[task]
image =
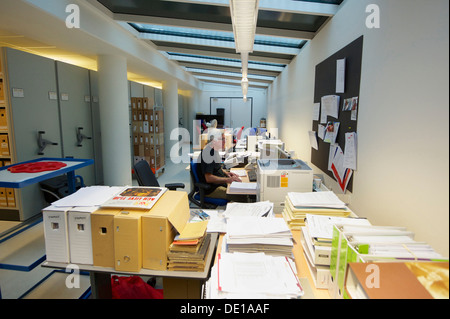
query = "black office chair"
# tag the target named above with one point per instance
(145, 176)
(198, 191)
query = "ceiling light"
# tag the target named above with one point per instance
(244, 14)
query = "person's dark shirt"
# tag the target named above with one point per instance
(210, 162)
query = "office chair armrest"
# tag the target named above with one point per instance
(174, 186)
(203, 186)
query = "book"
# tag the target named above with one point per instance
(140, 197)
(398, 280)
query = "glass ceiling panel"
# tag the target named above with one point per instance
(215, 35)
(234, 74)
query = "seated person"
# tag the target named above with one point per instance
(210, 167)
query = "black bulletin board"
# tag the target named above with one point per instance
(325, 84)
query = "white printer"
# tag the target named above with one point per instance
(277, 177)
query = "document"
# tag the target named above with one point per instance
(321, 129)
(313, 140)
(340, 76)
(330, 106)
(350, 150)
(331, 132)
(88, 196)
(316, 199)
(136, 197)
(243, 188)
(341, 174)
(243, 276)
(258, 209)
(316, 111)
(322, 226)
(193, 230)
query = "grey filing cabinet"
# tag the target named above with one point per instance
(52, 98)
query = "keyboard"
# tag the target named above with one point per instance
(251, 175)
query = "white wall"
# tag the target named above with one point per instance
(403, 159)
(259, 99)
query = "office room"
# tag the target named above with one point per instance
(401, 175)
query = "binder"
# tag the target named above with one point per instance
(102, 229)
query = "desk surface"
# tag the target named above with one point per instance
(148, 272)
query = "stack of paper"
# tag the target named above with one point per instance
(255, 234)
(316, 242)
(243, 188)
(253, 276)
(189, 249)
(358, 243)
(297, 205)
(258, 209)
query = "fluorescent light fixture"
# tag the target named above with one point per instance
(244, 15)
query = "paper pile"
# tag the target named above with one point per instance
(255, 235)
(253, 276)
(243, 188)
(297, 205)
(189, 249)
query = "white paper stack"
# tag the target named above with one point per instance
(258, 234)
(253, 276)
(243, 188)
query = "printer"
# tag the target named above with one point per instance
(277, 177)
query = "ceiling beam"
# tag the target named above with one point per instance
(204, 25)
(226, 68)
(223, 55)
(300, 7)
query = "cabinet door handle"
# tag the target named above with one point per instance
(42, 142)
(81, 137)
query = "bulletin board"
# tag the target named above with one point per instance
(325, 84)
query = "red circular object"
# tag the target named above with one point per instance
(36, 167)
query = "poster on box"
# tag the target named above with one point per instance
(136, 197)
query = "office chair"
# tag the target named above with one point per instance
(198, 190)
(58, 187)
(145, 176)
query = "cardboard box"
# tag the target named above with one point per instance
(133, 104)
(3, 122)
(4, 144)
(145, 103)
(102, 231)
(80, 235)
(182, 288)
(10, 197)
(56, 234)
(128, 240)
(159, 227)
(139, 103)
(2, 92)
(3, 200)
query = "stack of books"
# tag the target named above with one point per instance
(297, 205)
(189, 249)
(259, 235)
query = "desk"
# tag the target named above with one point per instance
(101, 276)
(19, 180)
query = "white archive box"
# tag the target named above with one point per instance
(80, 236)
(56, 234)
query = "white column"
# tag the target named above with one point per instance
(170, 102)
(114, 119)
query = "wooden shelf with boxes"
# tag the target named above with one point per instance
(7, 195)
(148, 133)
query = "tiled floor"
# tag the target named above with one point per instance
(28, 246)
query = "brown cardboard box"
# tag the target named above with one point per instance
(146, 115)
(133, 103)
(128, 240)
(2, 92)
(145, 103)
(3, 201)
(4, 144)
(159, 227)
(147, 139)
(11, 197)
(102, 229)
(135, 139)
(3, 122)
(139, 103)
(134, 115)
(162, 159)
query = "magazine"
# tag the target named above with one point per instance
(136, 197)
